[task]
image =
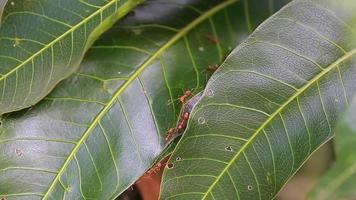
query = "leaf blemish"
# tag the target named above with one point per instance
(210, 93)
(178, 158)
(18, 152)
(201, 120)
(249, 188)
(201, 49)
(74, 80)
(228, 148)
(170, 165)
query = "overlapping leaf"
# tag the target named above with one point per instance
(99, 130)
(339, 183)
(42, 42)
(2, 5)
(270, 105)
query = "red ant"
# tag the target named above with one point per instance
(154, 170)
(212, 38)
(169, 134)
(180, 127)
(183, 122)
(185, 95)
(212, 68)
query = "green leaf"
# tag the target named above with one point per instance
(271, 104)
(339, 181)
(42, 42)
(103, 127)
(2, 5)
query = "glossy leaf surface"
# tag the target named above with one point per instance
(272, 103)
(43, 42)
(339, 183)
(102, 128)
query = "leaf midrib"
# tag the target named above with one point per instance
(155, 55)
(279, 110)
(69, 31)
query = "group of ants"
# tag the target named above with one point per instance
(182, 122)
(181, 125)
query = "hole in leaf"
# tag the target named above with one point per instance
(228, 148)
(249, 187)
(170, 165)
(178, 158)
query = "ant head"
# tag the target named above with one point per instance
(188, 92)
(166, 138)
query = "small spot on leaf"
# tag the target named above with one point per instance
(210, 93)
(18, 152)
(201, 120)
(249, 188)
(178, 158)
(74, 80)
(228, 148)
(170, 165)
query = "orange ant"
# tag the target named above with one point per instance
(212, 38)
(182, 98)
(154, 170)
(169, 134)
(179, 129)
(183, 122)
(185, 95)
(212, 68)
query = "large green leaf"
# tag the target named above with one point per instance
(103, 127)
(43, 42)
(340, 181)
(2, 5)
(270, 105)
